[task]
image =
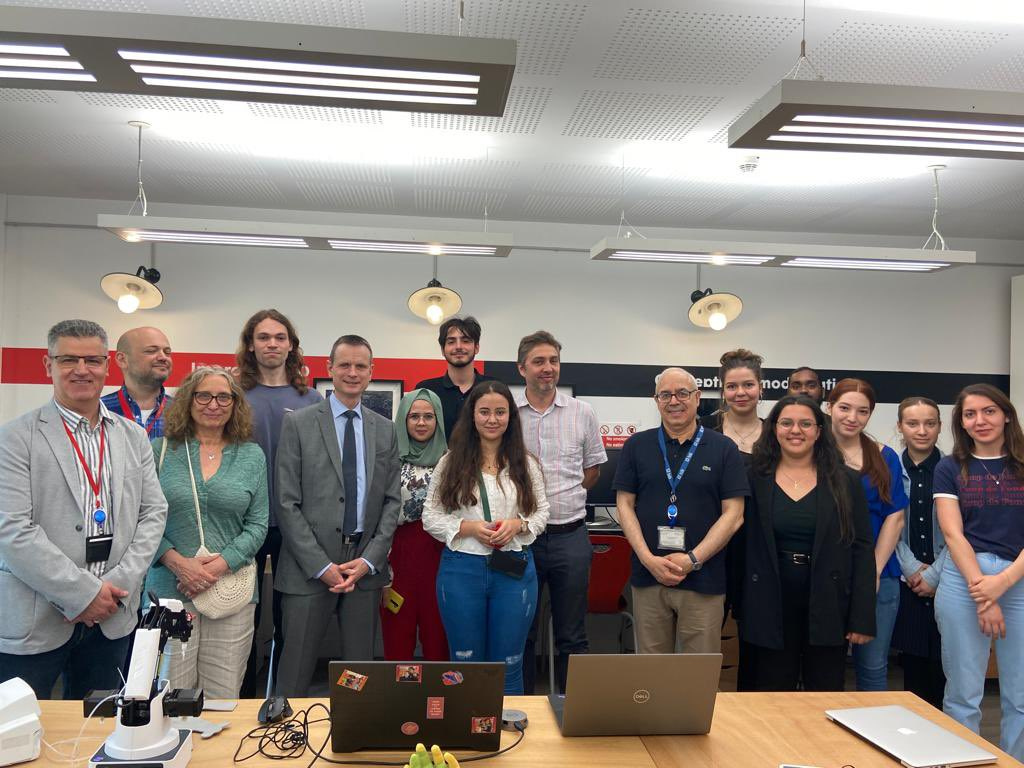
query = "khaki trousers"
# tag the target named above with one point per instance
(215, 655)
(667, 617)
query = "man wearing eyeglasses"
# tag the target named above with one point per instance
(680, 491)
(81, 516)
(144, 357)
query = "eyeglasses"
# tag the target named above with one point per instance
(805, 425)
(420, 417)
(71, 361)
(224, 399)
(682, 395)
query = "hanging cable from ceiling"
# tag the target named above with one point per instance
(935, 239)
(803, 60)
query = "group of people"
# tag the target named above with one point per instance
(443, 526)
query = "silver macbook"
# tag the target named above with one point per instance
(638, 695)
(913, 740)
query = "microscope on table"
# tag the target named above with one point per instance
(144, 734)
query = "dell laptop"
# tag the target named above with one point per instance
(913, 740)
(638, 695)
(388, 705)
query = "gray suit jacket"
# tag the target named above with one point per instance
(311, 497)
(43, 576)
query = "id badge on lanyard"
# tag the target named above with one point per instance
(671, 536)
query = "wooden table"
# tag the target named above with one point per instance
(759, 730)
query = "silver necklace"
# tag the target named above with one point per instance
(741, 437)
(992, 477)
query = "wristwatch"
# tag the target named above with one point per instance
(697, 564)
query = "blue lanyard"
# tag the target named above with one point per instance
(673, 482)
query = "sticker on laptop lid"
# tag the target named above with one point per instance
(408, 673)
(435, 707)
(410, 728)
(484, 725)
(352, 680)
(451, 677)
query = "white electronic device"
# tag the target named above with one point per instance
(145, 734)
(21, 733)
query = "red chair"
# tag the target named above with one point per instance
(609, 574)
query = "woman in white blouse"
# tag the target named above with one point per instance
(486, 502)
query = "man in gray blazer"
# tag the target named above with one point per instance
(81, 515)
(339, 496)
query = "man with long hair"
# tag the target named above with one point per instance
(273, 375)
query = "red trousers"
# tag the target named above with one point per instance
(415, 557)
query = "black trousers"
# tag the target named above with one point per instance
(798, 665)
(924, 677)
(562, 561)
(254, 684)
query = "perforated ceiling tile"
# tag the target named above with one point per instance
(347, 197)
(26, 96)
(884, 220)
(195, 157)
(562, 208)
(669, 211)
(898, 54)
(130, 6)
(722, 134)
(330, 13)
(1006, 75)
(778, 216)
(309, 170)
(637, 116)
(459, 202)
(164, 103)
(677, 46)
(545, 31)
(523, 112)
(308, 112)
(567, 179)
(464, 173)
(233, 189)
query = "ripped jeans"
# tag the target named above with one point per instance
(486, 614)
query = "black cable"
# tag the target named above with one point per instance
(290, 739)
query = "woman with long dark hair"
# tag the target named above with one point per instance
(979, 501)
(486, 502)
(851, 403)
(808, 576)
(921, 552)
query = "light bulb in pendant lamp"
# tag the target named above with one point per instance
(132, 292)
(714, 310)
(435, 302)
(128, 302)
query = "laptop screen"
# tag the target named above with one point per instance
(388, 705)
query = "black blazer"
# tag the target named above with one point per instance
(842, 575)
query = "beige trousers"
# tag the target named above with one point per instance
(666, 617)
(215, 655)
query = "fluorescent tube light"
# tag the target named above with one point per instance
(854, 117)
(22, 74)
(135, 229)
(264, 62)
(292, 66)
(40, 63)
(146, 69)
(778, 254)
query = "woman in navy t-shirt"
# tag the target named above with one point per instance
(979, 501)
(851, 403)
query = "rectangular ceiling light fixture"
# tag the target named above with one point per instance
(159, 229)
(778, 254)
(884, 119)
(254, 61)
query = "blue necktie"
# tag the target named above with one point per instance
(349, 476)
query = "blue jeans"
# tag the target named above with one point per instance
(487, 614)
(965, 653)
(88, 661)
(871, 660)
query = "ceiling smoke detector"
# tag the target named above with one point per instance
(749, 164)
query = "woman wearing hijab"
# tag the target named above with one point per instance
(411, 602)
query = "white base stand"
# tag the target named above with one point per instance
(176, 757)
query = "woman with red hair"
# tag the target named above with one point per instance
(851, 403)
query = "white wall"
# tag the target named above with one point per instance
(953, 321)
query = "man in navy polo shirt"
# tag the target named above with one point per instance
(680, 491)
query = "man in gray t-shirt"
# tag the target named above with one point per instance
(272, 373)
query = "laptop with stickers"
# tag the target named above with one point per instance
(388, 705)
(913, 740)
(638, 695)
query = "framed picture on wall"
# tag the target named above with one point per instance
(380, 397)
(519, 389)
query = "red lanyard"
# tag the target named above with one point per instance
(93, 483)
(127, 411)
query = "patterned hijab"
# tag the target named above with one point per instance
(421, 454)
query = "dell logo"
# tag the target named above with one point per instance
(642, 696)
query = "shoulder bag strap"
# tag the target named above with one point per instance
(483, 496)
(195, 495)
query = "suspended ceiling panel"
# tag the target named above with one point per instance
(651, 86)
